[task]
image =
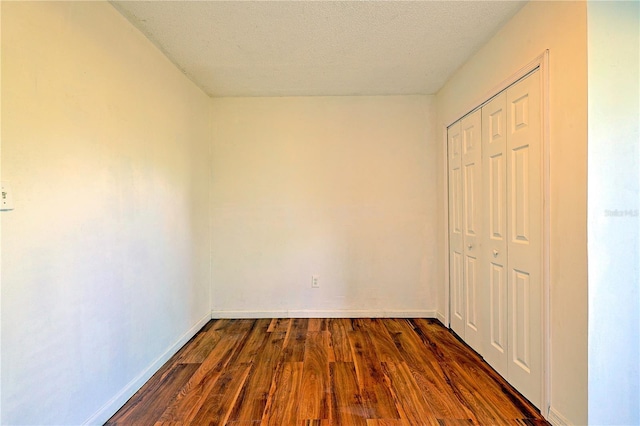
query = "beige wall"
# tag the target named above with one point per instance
(342, 187)
(105, 257)
(561, 28)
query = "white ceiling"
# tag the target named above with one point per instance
(291, 48)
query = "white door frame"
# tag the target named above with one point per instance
(540, 63)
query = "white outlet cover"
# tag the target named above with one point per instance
(6, 201)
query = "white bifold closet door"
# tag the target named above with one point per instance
(496, 251)
(456, 284)
(465, 177)
(494, 270)
(524, 237)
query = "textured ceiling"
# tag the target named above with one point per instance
(289, 48)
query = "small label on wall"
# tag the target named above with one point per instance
(6, 201)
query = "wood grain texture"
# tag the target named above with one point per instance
(260, 354)
(191, 397)
(217, 406)
(339, 327)
(325, 372)
(376, 396)
(199, 347)
(314, 393)
(151, 402)
(413, 407)
(293, 350)
(282, 404)
(347, 405)
(253, 398)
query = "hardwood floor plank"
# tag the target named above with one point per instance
(252, 345)
(192, 395)
(152, 384)
(293, 350)
(471, 377)
(201, 345)
(155, 398)
(432, 381)
(388, 422)
(253, 398)
(322, 372)
(282, 403)
(231, 326)
(347, 406)
(512, 404)
(444, 345)
(407, 340)
(473, 398)
(375, 394)
(279, 325)
(530, 422)
(314, 392)
(483, 410)
(386, 349)
(218, 404)
(494, 391)
(315, 422)
(317, 324)
(409, 399)
(360, 324)
(339, 327)
(456, 422)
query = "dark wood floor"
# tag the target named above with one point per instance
(375, 372)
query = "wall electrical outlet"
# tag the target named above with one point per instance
(6, 201)
(315, 281)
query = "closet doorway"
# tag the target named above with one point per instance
(496, 168)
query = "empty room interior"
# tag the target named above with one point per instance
(388, 167)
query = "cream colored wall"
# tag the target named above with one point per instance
(105, 257)
(342, 187)
(561, 28)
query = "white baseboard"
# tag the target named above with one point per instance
(114, 404)
(557, 419)
(440, 317)
(324, 314)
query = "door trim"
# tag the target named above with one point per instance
(540, 63)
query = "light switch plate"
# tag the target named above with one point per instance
(6, 201)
